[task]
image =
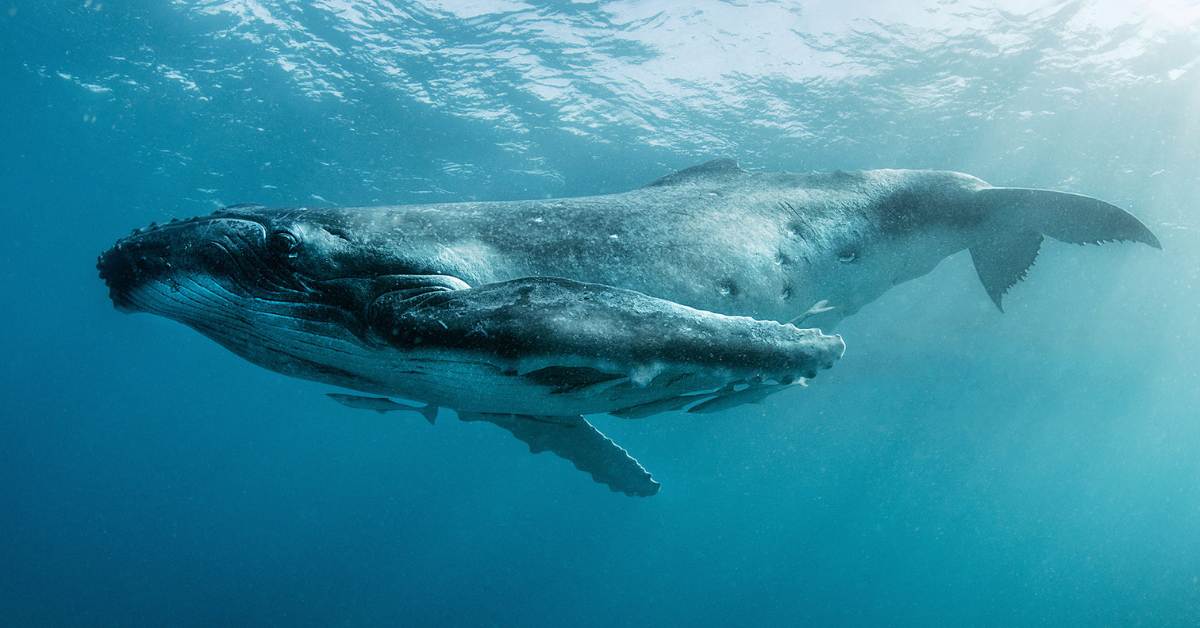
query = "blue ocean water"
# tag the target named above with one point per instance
(959, 466)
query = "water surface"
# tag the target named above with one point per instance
(959, 466)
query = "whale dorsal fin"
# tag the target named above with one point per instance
(706, 170)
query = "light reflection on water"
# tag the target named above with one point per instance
(958, 466)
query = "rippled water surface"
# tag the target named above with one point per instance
(959, 467)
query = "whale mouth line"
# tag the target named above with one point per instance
(269, 336)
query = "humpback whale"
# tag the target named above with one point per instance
(700, 291)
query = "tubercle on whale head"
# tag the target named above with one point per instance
(270, 285)
(270, 253)
(273, 286)
(162, 253)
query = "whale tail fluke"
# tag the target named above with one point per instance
(1005, 259)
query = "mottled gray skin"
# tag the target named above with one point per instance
(763, 245)
(714, 238)
(574, 348)
(718, 238)
(458, 306)
(527, 314)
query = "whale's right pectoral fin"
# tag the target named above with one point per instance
(580, 443)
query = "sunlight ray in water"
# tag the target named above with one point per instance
(957, 466)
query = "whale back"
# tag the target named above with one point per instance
(713, 169)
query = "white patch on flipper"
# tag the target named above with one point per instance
(643, 374)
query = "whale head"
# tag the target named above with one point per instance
(294, 291)
(272, 288)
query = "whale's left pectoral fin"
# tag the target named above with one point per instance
(580, 443)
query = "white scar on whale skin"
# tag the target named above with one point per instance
(676, 296)
(820, 307)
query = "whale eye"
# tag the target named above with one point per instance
(283, 243)
(847, 256)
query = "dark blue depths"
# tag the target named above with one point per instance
(959, 466)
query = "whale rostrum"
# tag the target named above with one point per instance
(701, 291)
